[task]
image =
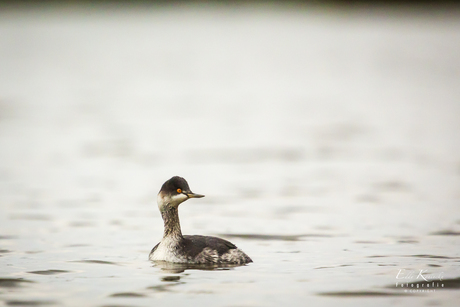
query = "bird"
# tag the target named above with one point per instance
(196, 249)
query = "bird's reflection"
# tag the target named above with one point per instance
(170, 267)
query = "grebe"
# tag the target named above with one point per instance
(174, 247)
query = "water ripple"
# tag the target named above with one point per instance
(13, 282)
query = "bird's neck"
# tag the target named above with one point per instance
(172, 229)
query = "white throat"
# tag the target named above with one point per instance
(175, 200)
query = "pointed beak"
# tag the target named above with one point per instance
(193, 195)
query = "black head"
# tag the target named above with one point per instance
(175, 185)
(175, 191)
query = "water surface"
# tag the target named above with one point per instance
(326, 142)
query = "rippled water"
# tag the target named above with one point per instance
(326, 142)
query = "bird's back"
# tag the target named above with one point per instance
(195, 244)
(206, 249)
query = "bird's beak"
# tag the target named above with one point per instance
(193, 195)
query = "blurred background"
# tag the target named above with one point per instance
(296, 119)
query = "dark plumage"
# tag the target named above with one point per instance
(192, 246)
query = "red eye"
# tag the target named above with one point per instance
(179, 191)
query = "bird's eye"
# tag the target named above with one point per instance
(179, 191)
